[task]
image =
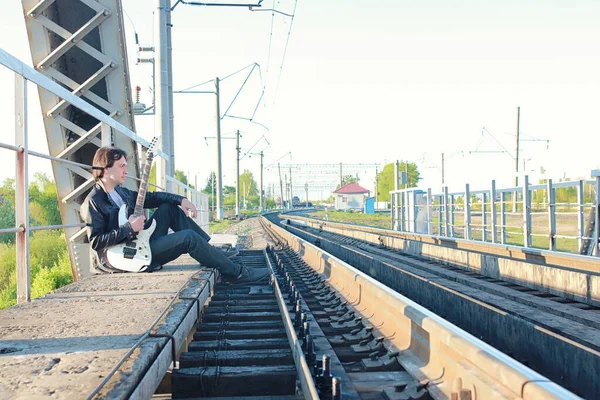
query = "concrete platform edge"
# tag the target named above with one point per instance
(139, 379)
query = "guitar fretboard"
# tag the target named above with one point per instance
(139, 204)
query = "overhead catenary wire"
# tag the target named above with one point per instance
(287, 41)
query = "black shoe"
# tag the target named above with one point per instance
(229, 251)
(251, 276)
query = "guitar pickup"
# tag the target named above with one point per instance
(129, 252)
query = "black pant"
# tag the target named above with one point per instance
(188, 237)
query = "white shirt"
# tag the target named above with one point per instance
(116, 198)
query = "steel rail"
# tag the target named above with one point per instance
(430, 347)
(309, 390)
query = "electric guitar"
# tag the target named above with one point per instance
(134, 255)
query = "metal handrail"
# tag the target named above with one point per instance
(26, 73)
(494, 208)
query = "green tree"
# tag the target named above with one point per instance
(43, 201)
(385, 179)
(208, 186)
(181, 176)
(228, 190)
(7, 220)
(7, 190)
(346, 179)
(247, 182)
(50, 266)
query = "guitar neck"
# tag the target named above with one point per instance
(139, 204)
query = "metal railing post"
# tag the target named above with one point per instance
(22, 192)
(503, 217)
(467, 216)
(452, 210)
(415, 210)
(429, 214)
(493, 211)
(402, 204)
(580, 214)
(393, 204)
(440, 215)
(597, 224)
(526, 212)
(484, 217)
(551, 216)
(446, 212)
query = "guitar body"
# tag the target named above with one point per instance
(131, 256)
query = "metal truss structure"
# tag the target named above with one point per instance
(80, 44)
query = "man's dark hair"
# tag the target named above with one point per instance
(105, 157)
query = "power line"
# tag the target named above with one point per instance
(285, 52)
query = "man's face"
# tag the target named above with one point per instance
(117, 173)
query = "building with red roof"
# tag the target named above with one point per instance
(350, 197)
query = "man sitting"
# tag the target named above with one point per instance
(101, 212)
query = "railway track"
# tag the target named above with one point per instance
(555, 336)
(291, 337)
(320, 328)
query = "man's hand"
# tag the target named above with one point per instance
(137, 223)
(189, 208)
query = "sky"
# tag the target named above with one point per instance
(371, 83)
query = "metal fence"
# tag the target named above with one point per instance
(109, 127)
(527, 215)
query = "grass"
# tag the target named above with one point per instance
(220, 226)
(372, 220)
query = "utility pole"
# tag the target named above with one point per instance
(280, 184)
(442, 169)
(517, 160)
(237, 184)
(162, 105)
(219, 214)
(287, 188)
(306, 190)
(291, 193)
(517, 152)
(212, 179)
(261, 181)
(341, 176)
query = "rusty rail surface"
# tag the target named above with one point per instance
(452, 363)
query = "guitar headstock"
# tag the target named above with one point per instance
(150, 151)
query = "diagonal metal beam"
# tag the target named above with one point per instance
(89, 137)
(65, 34)
(79, 236)
(73, 39)
(39, 8)
(78, 191)
(85, 174)
(84, 87)
(71, 84)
